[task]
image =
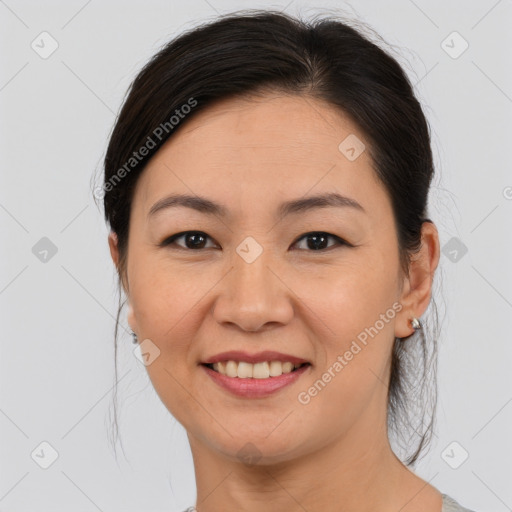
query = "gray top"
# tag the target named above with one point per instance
(449, 505)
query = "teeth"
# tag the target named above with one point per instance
(262, 370)
(231, 369)
(244, 370)
(276, 368)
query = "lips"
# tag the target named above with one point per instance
(255, 387)
(259, 357)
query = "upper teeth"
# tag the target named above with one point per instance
(256, 371)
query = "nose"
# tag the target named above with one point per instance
(253, 296)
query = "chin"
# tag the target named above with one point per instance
(263, 447)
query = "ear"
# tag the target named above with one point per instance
(114, 252)
(417, 288)
(130, 318)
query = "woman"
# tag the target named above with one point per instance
(266, 185)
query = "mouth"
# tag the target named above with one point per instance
(261, 370)
(254, 376)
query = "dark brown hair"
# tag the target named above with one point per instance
(253, 51)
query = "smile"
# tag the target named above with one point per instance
(254, 380)
(263, 370)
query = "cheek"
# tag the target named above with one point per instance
(349, 300)
(354, 334)
(167, 304)
(162, 292)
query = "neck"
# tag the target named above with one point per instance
(339, 477)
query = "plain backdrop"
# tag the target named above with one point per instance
(57, 281)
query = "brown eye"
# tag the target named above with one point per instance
(193, 240)
(317, 241)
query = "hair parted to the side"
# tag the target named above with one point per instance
(253, 52)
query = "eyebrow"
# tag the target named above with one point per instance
(208, 207)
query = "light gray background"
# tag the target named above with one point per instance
(57, 368)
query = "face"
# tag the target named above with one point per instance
(317, 282)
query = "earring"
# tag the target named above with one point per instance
(134, 338)
(415, 323)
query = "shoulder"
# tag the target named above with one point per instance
(450, 505)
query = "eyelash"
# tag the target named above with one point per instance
(171, 240)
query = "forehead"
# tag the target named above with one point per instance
(261, 150)
(289, 127)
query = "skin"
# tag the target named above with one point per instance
(250, 154)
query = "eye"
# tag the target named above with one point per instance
(193, 240)
(196, 240)
(318, 240)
